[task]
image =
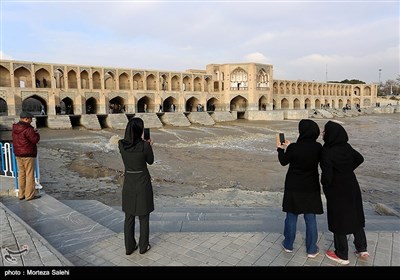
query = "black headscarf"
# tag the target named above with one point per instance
(308, 129)
(334, 134)
(133, 133)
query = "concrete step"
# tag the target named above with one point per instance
(214, 219)
(72, 224)
(64, 228)
(116, 121)
(106, 216)
(181, 219)
(59, 122)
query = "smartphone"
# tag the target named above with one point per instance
(280, 138)
(146, 135)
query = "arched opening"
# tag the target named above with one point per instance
(186, 84)
(42, 78)
(317, 104)
(239, 103)
(123, 81)
(193, 104)
(116, 105)
(96, 80)
(91, 106)
(341, 103)
(284, 103)
(169, 104)
(164, 82)
(3, 107)
(5, 80)
(207, 85)
(144, 105)
(35, 105)
(296, 104)
(197, 84)
(137, 81)
(238, 79)
(175, 83)
(84, 79)
(59, 78)
(67, 106)
(262, 103)
(22, 78)
(212, 103)
(307, 104)
(262, 79)
(109, 81)
(357, 91)
(72, 79)
(151, 82)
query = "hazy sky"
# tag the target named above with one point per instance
(303, 40)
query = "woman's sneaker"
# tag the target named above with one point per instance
(312, 256)
(364, 254)
(331, 255)
(286, 250)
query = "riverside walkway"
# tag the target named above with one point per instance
(89, 233)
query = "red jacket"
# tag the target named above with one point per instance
(24, 139)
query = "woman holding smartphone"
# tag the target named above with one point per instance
(137, 191)
(302, 194)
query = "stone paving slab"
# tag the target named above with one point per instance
(223, 249)
(16, 235)
(194, 247)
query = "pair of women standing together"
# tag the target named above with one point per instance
(302, 195)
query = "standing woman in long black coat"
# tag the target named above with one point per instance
(302, 193)
(342, 191)
(137, 191)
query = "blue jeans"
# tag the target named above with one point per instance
(311, 232)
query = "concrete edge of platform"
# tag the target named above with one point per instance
(35, 234)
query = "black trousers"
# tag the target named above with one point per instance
(342, 248)
(129, 232)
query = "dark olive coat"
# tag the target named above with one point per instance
(302, 193)
(137, 191)
(342, 191)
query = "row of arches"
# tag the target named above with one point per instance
(124, 81)
(82, 78)
(300, 88)
(38, 106)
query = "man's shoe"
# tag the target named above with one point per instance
(35, 197)
(331, 255)
(364, 254)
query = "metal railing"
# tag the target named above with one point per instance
(9, 166)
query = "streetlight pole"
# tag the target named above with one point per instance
(379, 83)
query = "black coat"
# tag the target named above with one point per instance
(302, 193)
(137, 191)
(343, 195)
